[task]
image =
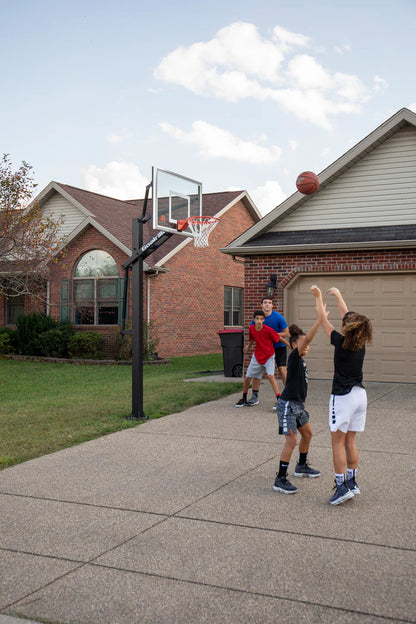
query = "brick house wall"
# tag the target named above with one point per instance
(186, 303)
(188, 300)
(64, 268)
(30, 305)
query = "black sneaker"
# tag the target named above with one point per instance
(283, 485)
(241, 403)
(303, 470)
(353, 486)
(342, 493)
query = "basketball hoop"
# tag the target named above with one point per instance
(201, 228)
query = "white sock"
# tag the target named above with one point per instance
(339, 478)
(351, 472)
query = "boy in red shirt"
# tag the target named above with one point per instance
(262, 359)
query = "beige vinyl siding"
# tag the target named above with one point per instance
(387, 299)
(378, 190)
(58, 206)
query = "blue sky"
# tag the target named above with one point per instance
(237, 94)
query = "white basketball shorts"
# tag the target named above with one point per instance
(347, 412)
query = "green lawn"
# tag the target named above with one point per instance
(45, 407)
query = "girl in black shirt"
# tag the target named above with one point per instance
(291, 411)
(348, 402)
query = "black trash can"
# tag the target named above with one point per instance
(232, 342)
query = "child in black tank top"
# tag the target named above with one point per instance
(291, 411)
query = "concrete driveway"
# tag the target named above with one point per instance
(175, 521)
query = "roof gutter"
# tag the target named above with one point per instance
(235, 259)
(317, 248)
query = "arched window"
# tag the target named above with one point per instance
(95, 289)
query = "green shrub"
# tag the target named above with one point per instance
(7, 341)
(150, 343)
(29, 328)
(124, 346)
(54, 342)
(86, 345)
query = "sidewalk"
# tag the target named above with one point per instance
(175, 522)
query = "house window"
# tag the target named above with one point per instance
(14, 307)
(233, 306)
(95, 288)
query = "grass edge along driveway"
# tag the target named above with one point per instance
(45, 407)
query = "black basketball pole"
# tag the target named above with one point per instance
(137, 325)
(135, 264)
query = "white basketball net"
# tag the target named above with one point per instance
(201, 228)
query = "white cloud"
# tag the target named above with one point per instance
(214, 142)
(341, 49)
(235, 53)
(268, 196)
(240, 64)
(293, 145)
(311, 106)
(115, 137)
(380, 83)
(306, 73)
(287, 40)
(116, 179)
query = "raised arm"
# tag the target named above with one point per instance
(305, 340)
(322, 311)
(342, 306)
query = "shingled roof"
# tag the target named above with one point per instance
(114, 216)
(267, 236)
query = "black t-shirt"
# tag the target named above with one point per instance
(296, 387)
(348, 366)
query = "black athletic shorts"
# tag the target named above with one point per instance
(281, 356)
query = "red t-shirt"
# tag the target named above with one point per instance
(264, 340)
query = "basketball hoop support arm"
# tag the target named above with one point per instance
(134, 264)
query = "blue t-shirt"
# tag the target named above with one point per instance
(277, 322)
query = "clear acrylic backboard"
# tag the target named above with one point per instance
(175, 198)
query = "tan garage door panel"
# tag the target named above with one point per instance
(387, 299)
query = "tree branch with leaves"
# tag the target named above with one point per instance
(29, 240)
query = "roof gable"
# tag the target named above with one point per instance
(373, 184)
(114, 217)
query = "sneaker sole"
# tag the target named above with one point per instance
(341, 499)
(304, 474)
(243, 405)
(252, 404)
(277, 489)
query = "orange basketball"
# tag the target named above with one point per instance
(307, 183)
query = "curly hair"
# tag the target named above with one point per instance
(295, 332)
(357, 330)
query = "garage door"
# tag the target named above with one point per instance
(389, 300)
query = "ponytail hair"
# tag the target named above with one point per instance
(295, 333)
(357, 330)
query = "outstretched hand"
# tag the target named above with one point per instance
(334, 291)
(316, 291)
